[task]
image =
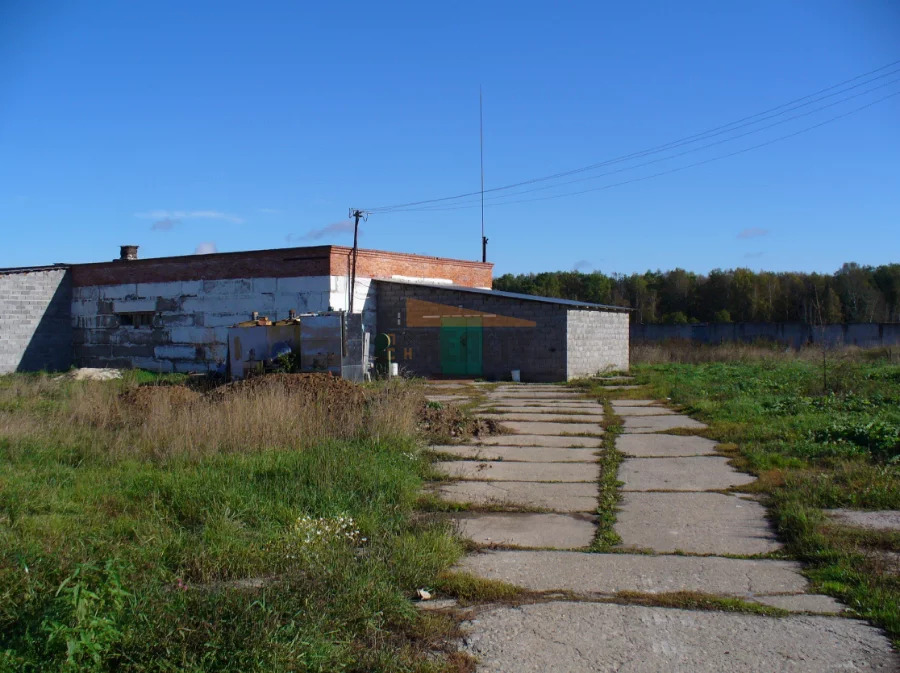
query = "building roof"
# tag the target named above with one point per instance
(573, 303)
(29, 269)
(323, 260)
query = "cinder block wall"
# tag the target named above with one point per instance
(191, 318)
(596, 341)
(35, 320)
(538, 352)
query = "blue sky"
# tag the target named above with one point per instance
(226, 126)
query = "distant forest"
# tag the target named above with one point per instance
(854, 293)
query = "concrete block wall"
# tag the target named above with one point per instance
(539, 352)
(596, 341)
(191, 319)
(795, 334)
(35, 320)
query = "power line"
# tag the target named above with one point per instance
(725, 128)
(680, 168)
(496, 198)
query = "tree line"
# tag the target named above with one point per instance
(854, 293)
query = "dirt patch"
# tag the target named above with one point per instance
(325, 388)
(448, 420)
(144, 398)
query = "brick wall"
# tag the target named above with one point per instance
(596, 341)
(539, 351)
(35, 320)
(379, 264)
(282, 263)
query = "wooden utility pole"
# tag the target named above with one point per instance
(484, 240)
(356, 215)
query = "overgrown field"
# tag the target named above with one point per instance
(259, 527)
(819, 438)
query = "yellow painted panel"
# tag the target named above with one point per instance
(421, 313)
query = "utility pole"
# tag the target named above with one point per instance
(356, 215)
(484, 240)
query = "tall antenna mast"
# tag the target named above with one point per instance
(484, 240)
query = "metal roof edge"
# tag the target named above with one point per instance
(507, 295)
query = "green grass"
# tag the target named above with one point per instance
(816, 443)
(695, 600)
(472, 589)
(608, 499)
(267, 559)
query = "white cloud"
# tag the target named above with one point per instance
(206, 248)
(753, 232)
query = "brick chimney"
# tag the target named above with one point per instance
(128, 253)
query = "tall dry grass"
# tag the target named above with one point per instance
(189, 425)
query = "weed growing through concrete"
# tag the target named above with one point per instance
(609, 496)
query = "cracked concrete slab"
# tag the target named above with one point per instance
(539, 440)
(526, 387)
(887, 519)
(591, 410)
(702, 473)
(582, 637)
(611, 573)
(803, 603)
(555, 429)
(577, 497)
(660, 423)
(537, 396)
(527, 454)
(700, 523)
(636, 403)
(447, 399)
(514, 471)
(544, 417)
(571, 398)
(641, 411)
(651, 445)
(513, 529)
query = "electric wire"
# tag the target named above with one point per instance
(744, 122)
(495, 199)
(671, 170)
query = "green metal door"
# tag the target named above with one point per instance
(473, 346)
(461, 346)
(453, 336)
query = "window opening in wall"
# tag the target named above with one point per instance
(136, 319)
